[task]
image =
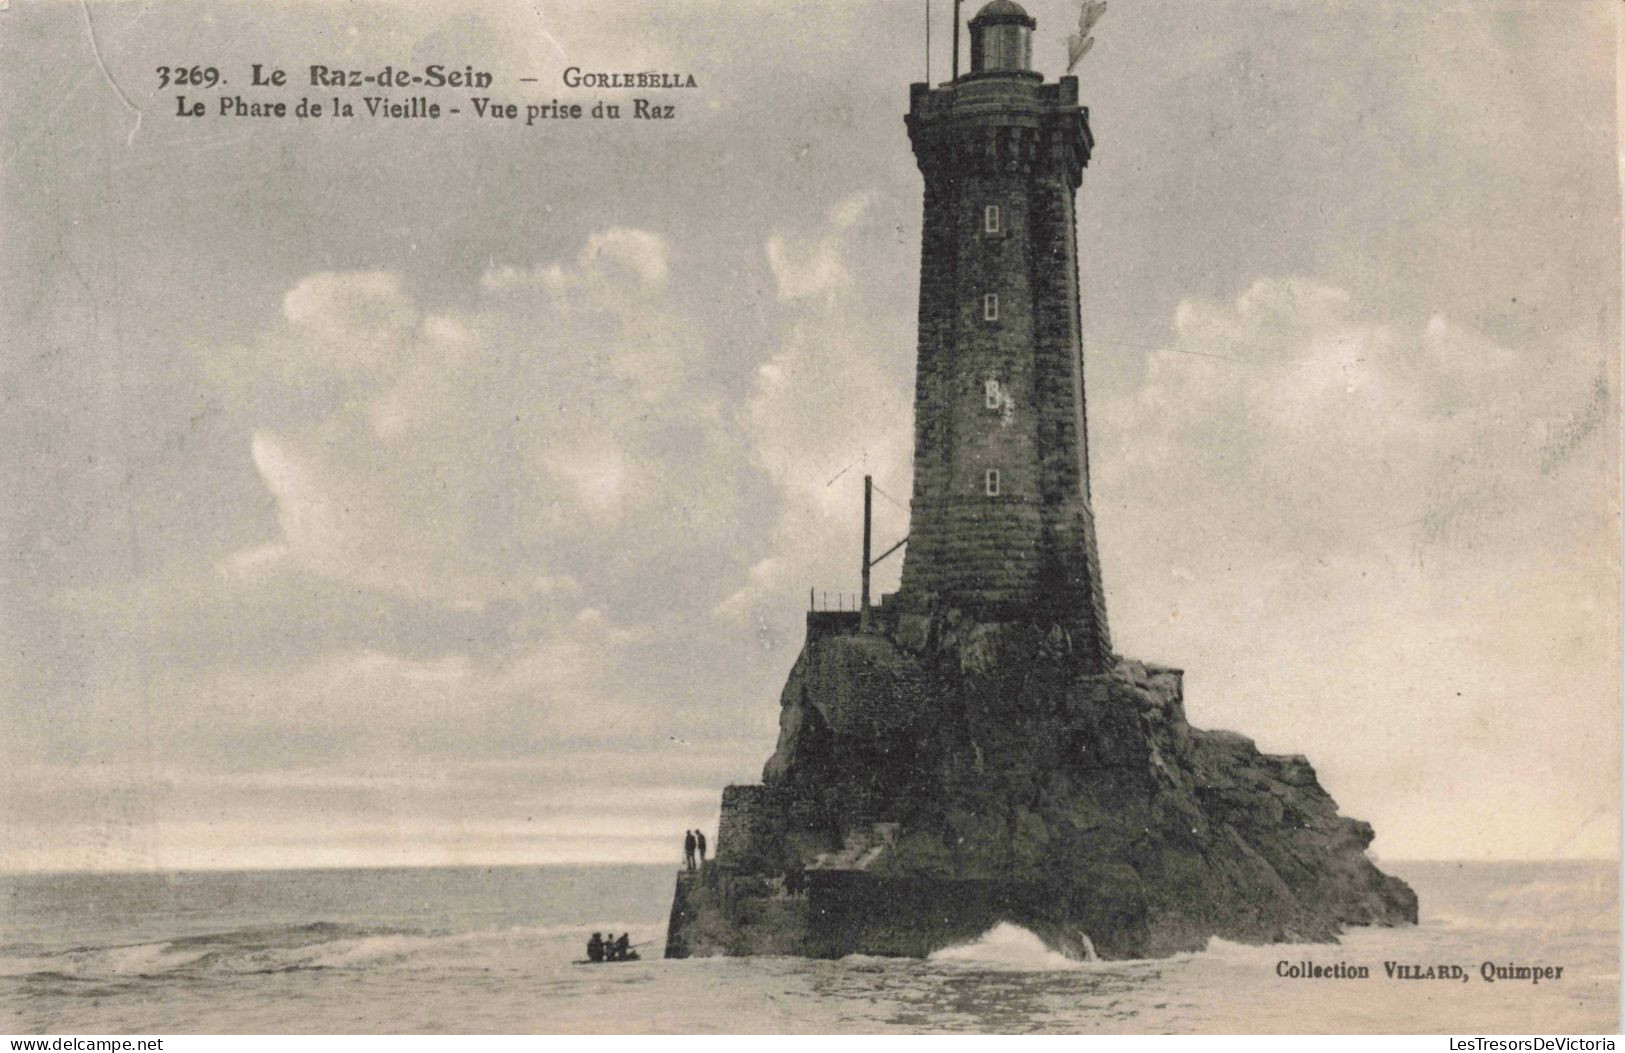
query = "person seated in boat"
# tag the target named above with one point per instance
(595, 948)
(623, 947)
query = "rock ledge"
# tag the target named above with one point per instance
(940, 775)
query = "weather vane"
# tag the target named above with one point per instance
(1079, 43)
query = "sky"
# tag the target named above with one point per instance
(404, 492)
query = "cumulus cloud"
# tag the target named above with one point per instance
(815, 266)
(254, 562)
(564, 420)
(608, 254)
(355, 321)
(832, 403)
(1383, 536)
(1319, 427)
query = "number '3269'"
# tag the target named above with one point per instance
(188, 76)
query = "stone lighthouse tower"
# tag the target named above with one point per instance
(1002, 525)
(973, 752)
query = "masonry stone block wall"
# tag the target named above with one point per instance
(1001, 390)
(752, 823)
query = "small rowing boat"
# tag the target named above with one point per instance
(631, 956)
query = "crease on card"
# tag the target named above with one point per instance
(95, 49)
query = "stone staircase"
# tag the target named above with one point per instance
(862, 847)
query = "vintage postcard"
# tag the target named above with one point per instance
(906, 516)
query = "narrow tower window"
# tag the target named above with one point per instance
(990, 219)
(993, 482)
(990, 390)
(990, 307)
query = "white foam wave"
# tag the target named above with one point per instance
(1007, 947)
(144, 959)
(344, 953)
(1218, 947)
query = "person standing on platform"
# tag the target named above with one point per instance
(688, 849)
(699, 842)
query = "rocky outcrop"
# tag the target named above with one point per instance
(939, 775)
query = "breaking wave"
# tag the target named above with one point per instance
(1010, 948)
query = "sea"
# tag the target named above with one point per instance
(494, 950)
